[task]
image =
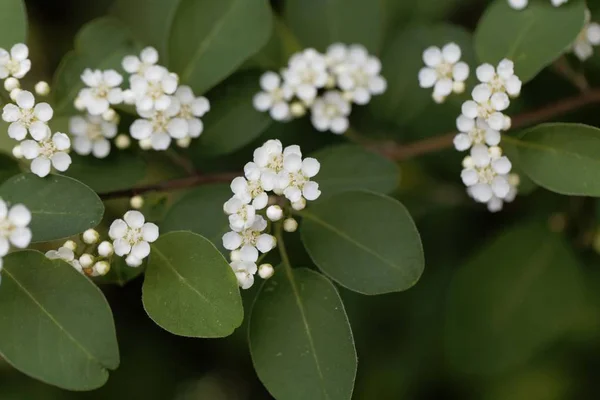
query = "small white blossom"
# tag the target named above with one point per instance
(522, 4)
(244, 266)
(191, 109)
(15, 64)
(11, 84)
(102, 90)
(485, 173)
(290, 225)
(274, 213)
(42, 88)
(252, 236)
(487, 105)
(275, 97)
(91, 134)
(295, 181)
(500, 79)
(48, 153)
(67, 255)
(306, 74)
(241, 215)
(444, 72)
(153, 90)
(266, 271)
(495, 204)
(14, 230)
(330, 113)
(159, 127)
(250, 191)
(138, 65)
(105, 249)
(268, 162)
(587, 38)
(26, 116)
(474, 132)
(132, 236)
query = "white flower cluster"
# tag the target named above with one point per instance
(522, 4)
(14, 222)
(325, 84)
(486, 172)
(443, 71)
(274, 169)
(132, 236)
(168, 111)
(583, 48)
(93, 261)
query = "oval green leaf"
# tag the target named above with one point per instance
(232, 122)
(512, 300)
(190, 289)
(56, 324)
(13, 23)
(533, 38)
(365, 241)
(300, 340)
(120, 170)
(349, 167)
(211, 39)
(60, 206)
(552, 155)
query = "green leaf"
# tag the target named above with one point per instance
(300, 339)
(320, 23)
(199, 211)
(364, 241)
(402, 59)
(56, 324)
(519, 294)
(533, 38)
(561, 157)
(211, 39)
(120, 170)
(9, 167)
(350, 167)
(232, 122)
(190, 289)
(100, 44)
(60, 206)
(13, 23)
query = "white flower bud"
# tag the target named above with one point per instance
(123, 141)
(86, 260)
(184, 143)
(235, 255)
(495, 152)
(458, 87)
(11, 84)
(274, 213)
(290, 225)
(17, 152)
(14, 93)
(297, 109)
(79, 104)
(145, 144)
(90, 236)
(105, 249)
(42, 88)
(266, 271)
(71, 245)
(468, 162)
(102, 267)
(136, 202)
(299, 205)
(109, 115)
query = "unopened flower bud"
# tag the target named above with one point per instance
(17, 152)
(71, 245)
(136, 202)
(102, 267)
(42, 88)
(266, 271)
(90, 236)
(11, 84)
(86, 260)
(123, 141)
(290, 225)
(105, 249)
(274, 213)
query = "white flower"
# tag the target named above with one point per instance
(191, 109)
(306, 73)
(485, 173)
(241, 215)
(330, 112)
(588, 37)
(500, 79)
(295, 181)
(91, 134)
(487, 105)
(15, 64)
(160, 127)
(102, 91)
(252, 237)
(268, 162)
(26, 116)
(245, 267)
(357, 73)
(522, 4)
(275, 97)
(250, 191)
(67, 255)
(134, 65)
(474, 132)
(14, 222)
(495, 204)
(444, 71)
(153, 90)
(50, 152)
(131, 237)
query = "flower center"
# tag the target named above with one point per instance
(331, 111)
(27, 117)
(477, 135)
(444, 70)
(155, 90)
(94, 131)
(101, 90)
(160, 121)
(133, 236)
(47, 148)
(249, 237)
(275, 162)
(486, 174)
(186, 112)
(6, 228)
(298, 179)
(497, 84)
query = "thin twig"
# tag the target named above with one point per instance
(563, 68)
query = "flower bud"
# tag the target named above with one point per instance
(11, 84)
(123, 141)
(145, 144)
(14, 93)
(42, 88)
(266, 271)
(299, 205)
(290, 225)
(17, 152)
(274, 213)
(91, 236)
(71, 245)
(184, 143)
(105, 249)
(86, 260)
(136, 202)
(102, 267)
(109, 115)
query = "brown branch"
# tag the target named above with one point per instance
(399, 152)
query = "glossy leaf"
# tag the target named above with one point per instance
(13, 23)
(364, 241)
(519, 294)
(564, 158)
(350, 167)
(56, 324)
(319, 23)
(60, 206)
(119, 170)
(530, 37)
(211, 39)
(190, 289)
(300, 339)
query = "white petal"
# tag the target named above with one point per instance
(260, 201)
(160, 141)
(481, 93)
(39, 131)
(482, 192)
(480, 155)
(149, 55)
(502, 165)
(61, 161)
(311, 191)
(469, 109)
(451, 53)
(4, 246)
(20, 237)
(249, 253)
(141, 250)
(443, 87)
(427, 77)
(121, 247)
(460, 72)
(61, 141)
(462, 142)
(118, 229)
(41, 166)
(262, 101)
(25, 99)
(500, 187)
(500, 101)
(82, 145)
(19, 215)
(19, 52)
(232, 240)
(131, 64)
(432, 56)
(43, 112)
(265, 243)
(133, 262)
(134, 219)
(310, 167)
(485, 72)
(30, 149)
(464, 123)
(292, 163)
(112, 78)
(11, 113)
(177, 128)
(269, 81)
(150, 232)
(17, 131)
(141, 129)
(101, 148)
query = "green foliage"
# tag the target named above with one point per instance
(210, 40)
(319, 24)
(99, 174)
(532, 38)
(56, 324)
(365, 241)
(189, 288)
(300, 340)
(13, 23)
(54, 213)
(511, 301)
(8, 167)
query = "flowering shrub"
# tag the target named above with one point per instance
(186, 147)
